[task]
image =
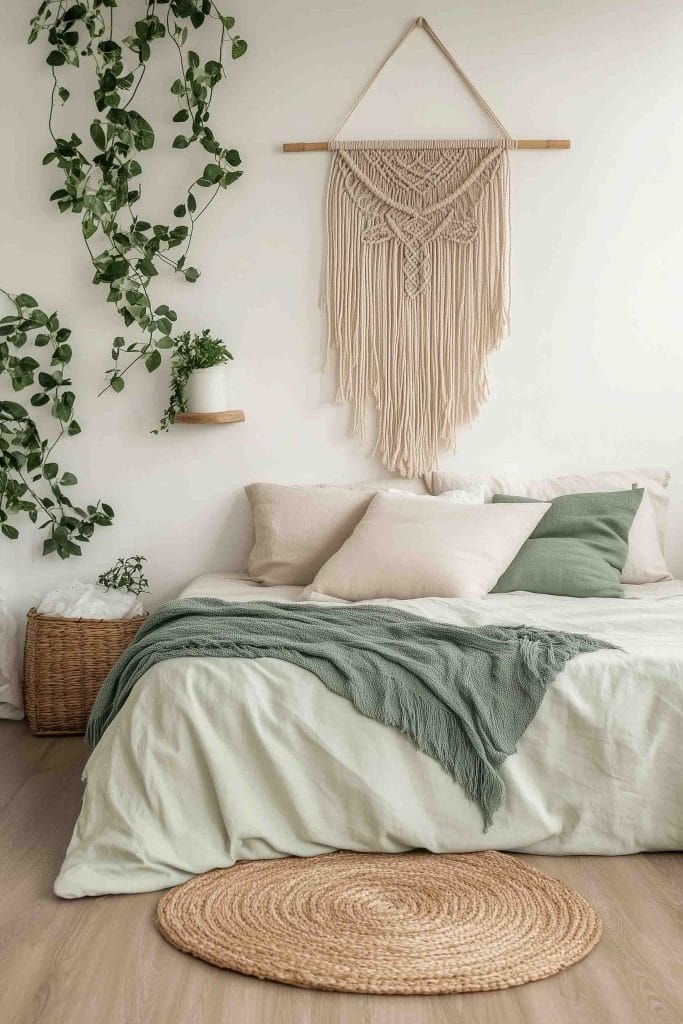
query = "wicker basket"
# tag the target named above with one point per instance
(65, 663)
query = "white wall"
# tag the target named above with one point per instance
(593, 371)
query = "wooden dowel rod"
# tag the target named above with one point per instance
(543, 144)
(313, 147)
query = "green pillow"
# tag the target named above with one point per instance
(579, 547)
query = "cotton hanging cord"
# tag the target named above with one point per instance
(467, 82)
(374, 78)
(416, 284)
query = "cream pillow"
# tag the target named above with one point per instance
(408, 547)
(645, 562)
(296, 529)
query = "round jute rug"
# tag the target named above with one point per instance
(384, 923)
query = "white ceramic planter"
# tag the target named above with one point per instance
(207, 390)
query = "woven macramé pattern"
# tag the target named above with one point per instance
(383, 923)
(416, 287)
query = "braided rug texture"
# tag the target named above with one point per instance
(383, 923)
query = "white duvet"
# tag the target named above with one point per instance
(213, 760)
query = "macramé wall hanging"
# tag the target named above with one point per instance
(416, 287)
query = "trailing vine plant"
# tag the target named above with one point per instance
(102, 183)
(31, 480)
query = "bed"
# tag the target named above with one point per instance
(213, 761)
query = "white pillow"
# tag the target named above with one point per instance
(296, 529)
(467, 496)
(645, 561)
(471, 495)
(409, 547)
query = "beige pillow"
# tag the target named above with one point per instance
(296, 529)
(408, 547)
(645, 561)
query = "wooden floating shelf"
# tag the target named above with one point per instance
(228, 416)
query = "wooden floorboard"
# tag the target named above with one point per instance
(101, 961)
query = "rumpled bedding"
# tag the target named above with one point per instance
(212, 761)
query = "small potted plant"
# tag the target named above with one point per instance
(197, 375)
(126, 574)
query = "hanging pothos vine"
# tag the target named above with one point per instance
(101, 184)
(31, 481)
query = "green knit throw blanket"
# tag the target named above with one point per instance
(464, 696)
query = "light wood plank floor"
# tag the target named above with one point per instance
(101, 961)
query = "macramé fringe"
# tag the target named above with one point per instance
(416, 289)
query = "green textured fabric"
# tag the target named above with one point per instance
(464, 696)
(579, 547)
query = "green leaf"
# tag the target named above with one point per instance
(63, 93)
(88, 227)
(114, 270)
(50, 470)
(144, 133)
(63, 353)
(228, 22)
(191, 202)
(210, 145)
(146, 267)
(73, 428)
(239, 48)
(153, 360)
(10, 531)
(164, 342)
(181, 115)
(118, 384)
(97, 135)
(49, 546)
(179, 211)
(55, 59)
(62, 411)
(212, 173)
(68, 479)
(13, 410)
(25, 300)
(191, 274)
(180, 142)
